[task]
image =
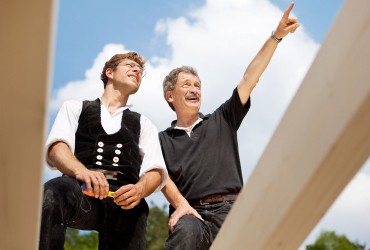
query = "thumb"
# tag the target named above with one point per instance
(293, 27)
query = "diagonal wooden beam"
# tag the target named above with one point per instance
(26, 45)
(319, 145)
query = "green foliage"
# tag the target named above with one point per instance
(157, 229)
(157, 232)
(77, 241)
(329, 240)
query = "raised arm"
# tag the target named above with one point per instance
(258, 65)
(181, 205)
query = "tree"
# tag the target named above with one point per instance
(75, 240)
(329, 240)
(157, 229)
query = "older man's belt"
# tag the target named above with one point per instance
(216, 198)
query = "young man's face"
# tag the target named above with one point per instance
(128, 75)
(186, 96)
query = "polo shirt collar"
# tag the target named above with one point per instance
(203, 117)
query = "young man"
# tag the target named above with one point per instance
(107, 148)
(201, 152)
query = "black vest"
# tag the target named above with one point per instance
(116, 152)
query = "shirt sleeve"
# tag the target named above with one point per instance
(151, 150)
(233, 110)
(64, 127)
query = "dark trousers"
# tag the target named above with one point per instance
(64, 205)
(192, 233)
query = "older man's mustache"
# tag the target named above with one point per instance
(192, 96)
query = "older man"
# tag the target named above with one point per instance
(201, 151)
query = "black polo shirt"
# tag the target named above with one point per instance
(208, 161)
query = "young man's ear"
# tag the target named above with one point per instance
(169, 96)
(109, 73)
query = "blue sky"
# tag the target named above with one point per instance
(85, 26)
(214, 36)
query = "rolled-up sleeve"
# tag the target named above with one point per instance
(150, 150)
(65, 126)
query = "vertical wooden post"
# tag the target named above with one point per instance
(26, 46)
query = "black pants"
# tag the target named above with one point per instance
(64, 205)
(192, 233)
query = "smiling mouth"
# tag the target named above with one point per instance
(134, 77)
(192, 98)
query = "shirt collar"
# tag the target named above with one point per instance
(119, 109)
(201, 118)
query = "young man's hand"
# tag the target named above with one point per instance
(128, 196)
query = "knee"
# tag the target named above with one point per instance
(188, 225)
(51, 196)
(188, 234)
(55, 191)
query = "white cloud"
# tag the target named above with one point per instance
(220, 39)
(89, 88)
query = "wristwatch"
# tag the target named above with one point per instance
(278, 40)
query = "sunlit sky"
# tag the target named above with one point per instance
(219, 38)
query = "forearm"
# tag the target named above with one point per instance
(149, 182)
(262, 59)
(178, 201)
(61, 157)
(255, 69)
(260, 62)
(173, 195)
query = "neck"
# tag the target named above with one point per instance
(113, 100)
(186, 120)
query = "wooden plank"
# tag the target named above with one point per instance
(319, 145)
(25, 48)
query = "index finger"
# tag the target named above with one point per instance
(287, 11)
(197, 215)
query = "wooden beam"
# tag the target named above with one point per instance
(319, 145)
(26, 45)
